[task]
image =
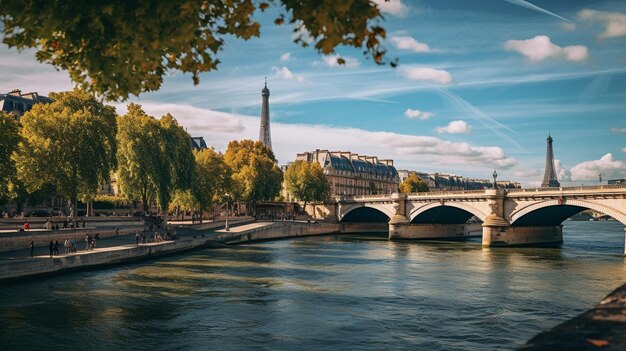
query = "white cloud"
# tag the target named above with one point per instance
(392, 7)
(614, 22)
(218, 128)
(455, 127)
(562, 173)
(331, 61)
(408, 43)
(540, 48)
(423, 115)
(427, 74)
(285, 57)
(527, 173)
(570, 27)
(618, 130)
(606, 165)
(624, 149)
(285, 73)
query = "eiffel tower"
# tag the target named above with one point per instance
(265, 136)
(549, 177)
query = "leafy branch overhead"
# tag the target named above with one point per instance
(115, 49)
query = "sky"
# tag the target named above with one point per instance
(479, 86)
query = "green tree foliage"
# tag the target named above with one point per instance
(306, 181)
(212, 178)
(256, 176)
(184, 200)
(9, 139)
(138, 155)
(69, 143)
(154, 157)
(413, 184)
(118, 48)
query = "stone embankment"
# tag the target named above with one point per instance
(601, 328)
(192, 237)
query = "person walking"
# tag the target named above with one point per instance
(51, 247)
(56, 247)
(32, 248)
(137, 238)
(87, 242)
(66, 245)
(73, 245)
(26, 226)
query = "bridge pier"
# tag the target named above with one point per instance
(410, 231)
(522, 236)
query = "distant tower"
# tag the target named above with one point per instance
(265, 136)
(549, 177)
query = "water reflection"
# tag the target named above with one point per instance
(349, 292)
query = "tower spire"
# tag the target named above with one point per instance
(265, 135)
(549, 177)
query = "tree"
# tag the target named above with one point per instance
(256, 176)
(69, 143)
(9, 139)
(154, 157)
(120, 48)
(183, 200)
(413, 184)
(138, 155)
(306, 181)
(212, 178)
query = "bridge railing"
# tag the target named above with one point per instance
(455, 192)
(569, 188)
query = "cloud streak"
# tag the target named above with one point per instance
(528, 5)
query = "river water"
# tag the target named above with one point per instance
(334, 292)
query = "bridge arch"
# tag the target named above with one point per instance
(550, 212)
(366, 213)
(454, 211)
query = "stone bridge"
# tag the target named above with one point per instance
(504, 217)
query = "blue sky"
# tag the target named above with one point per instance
(479, 86)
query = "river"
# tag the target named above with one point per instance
(357, 292)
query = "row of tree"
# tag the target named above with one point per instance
(74, 144)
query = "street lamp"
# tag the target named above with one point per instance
(226, 228)
(495, 175)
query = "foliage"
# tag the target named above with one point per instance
(306, 181)
(118, 48)
(9, 139)
(256, 176)
(138, 156)
(413, 184)
(183, 200)
(69, 143)
(212, 179)
(154, 157)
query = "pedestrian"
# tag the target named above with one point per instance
(73, 243)
(32, 248)
(65, 224)
(51, 247)
(26, 225)
(56, 247)
(87, 242)
(136, 238)
(66, 245)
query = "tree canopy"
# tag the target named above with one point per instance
(69, 143)
(413, 184)
(154, 157)
(9, 138)
(256, 175)
(306, 181)
(118, 48)
(212, 178)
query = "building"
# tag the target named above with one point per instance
(198, 143)
(450, 182)
(265, 135)
(549, 176)
(353, 174)
(17, 104)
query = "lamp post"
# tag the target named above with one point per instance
(226, 228)
(495, 175)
